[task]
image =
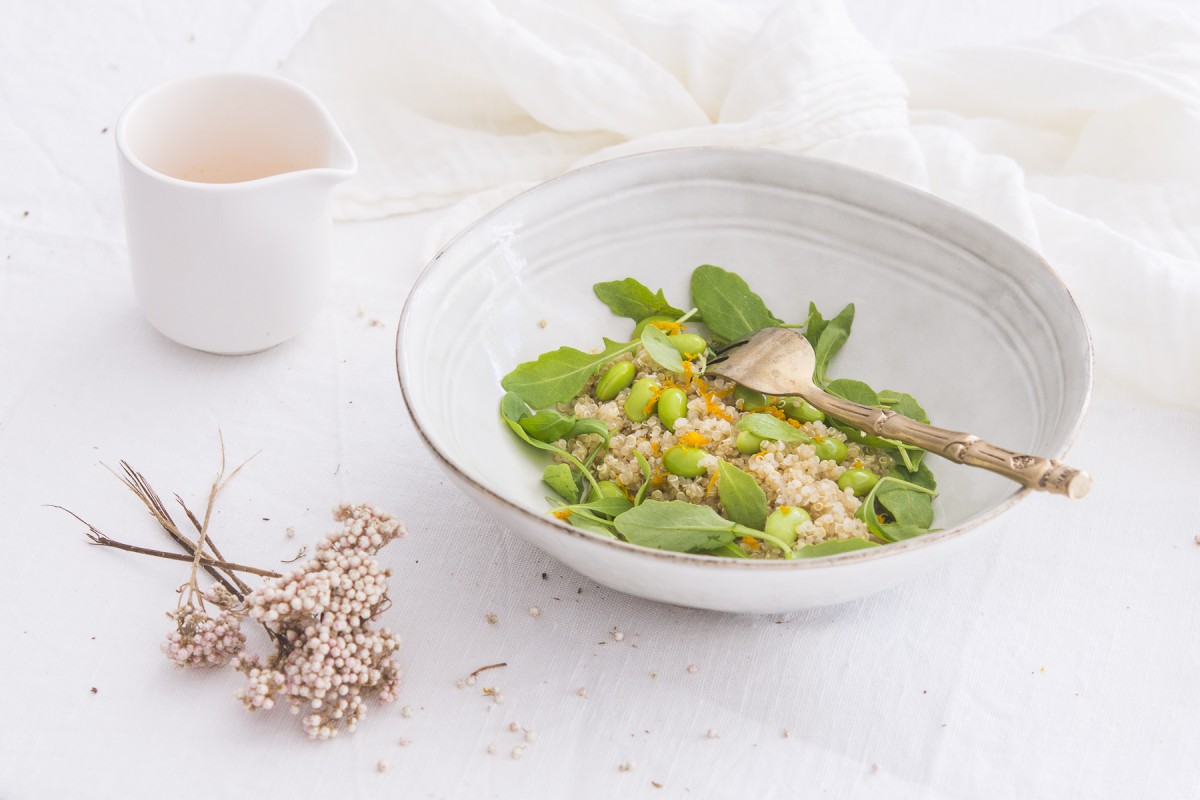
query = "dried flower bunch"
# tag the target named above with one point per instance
(201, 639)
(327, 658)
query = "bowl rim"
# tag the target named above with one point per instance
(890, 550)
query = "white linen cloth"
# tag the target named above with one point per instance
(1056, 659)
(1082, 142)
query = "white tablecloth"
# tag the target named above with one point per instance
(1056, 659)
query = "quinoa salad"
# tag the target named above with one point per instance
(645, 447)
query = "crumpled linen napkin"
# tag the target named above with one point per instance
(1084, 142)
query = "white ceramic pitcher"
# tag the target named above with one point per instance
(226, 179)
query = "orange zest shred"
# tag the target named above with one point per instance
(654, 448)
(715, 408)
(882, 519)
(701, 385)
(657, 394)
(668, 327)
(562, 513)
(657, 480)
(794, 423)
(687, 370)
(774, 412)
(858, 463)
(751, 543)
(693, 439)
(712, 484)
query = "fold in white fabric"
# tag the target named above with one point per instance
(1082, 142)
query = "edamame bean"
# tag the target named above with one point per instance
(641, 326)
(639, 404)
(750, 398)
(610, 489)
(747, 443)
(672, 407)
(831, 450)
(784, 521)
(802, 410)
(617, 377)
(684, 461)
(858, 480)
(688, 344)
(852, 434)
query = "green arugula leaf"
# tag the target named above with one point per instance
(608, 506)
(833, 335)
(922, 475)
(647, 473)
(507, 408)
(895, 531)
(742, 498)
(729, 550)
(659, 348)
(558, 376)
(765, 426)
(513, 408)
(854, 391)
(548, 425)
(903, 403)
(728, 306)
(833, 547)
(561, 478)
(907, 507)
(629, 298)
(585, 425)
(678, 526)
(592, 525)
(814, 326)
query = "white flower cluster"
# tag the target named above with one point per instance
(202, 640)
(330, 660)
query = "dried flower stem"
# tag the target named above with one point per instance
(205, 561)
(194, 592)
(489, 666)
(97, 537)
(212, 546)
(137, 484)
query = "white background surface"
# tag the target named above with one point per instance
(1056, 659)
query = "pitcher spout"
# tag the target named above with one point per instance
(343, 164)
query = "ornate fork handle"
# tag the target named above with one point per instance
(964, 448)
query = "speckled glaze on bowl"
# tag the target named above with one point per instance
(950, 308)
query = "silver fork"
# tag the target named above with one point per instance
(780, 361)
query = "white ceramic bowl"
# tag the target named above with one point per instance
(949, 308)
